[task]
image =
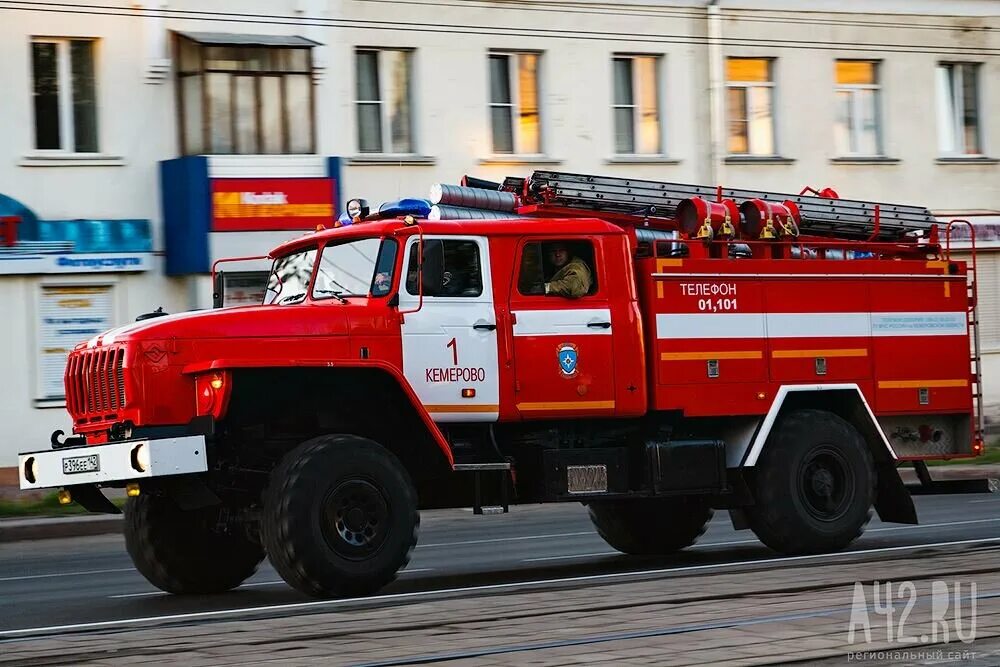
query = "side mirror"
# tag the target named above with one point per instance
(357, 208)
(393, 301)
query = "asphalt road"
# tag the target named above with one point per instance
(53, 586)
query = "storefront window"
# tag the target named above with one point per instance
(67, 314)
(245, 99)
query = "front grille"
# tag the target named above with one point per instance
(95, 383)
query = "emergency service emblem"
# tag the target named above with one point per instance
(567, 359)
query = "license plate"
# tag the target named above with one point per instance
(90, 463)
(587, 479)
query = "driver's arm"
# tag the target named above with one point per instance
(574, 281)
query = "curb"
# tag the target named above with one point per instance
(18, 530)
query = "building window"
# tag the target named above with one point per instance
(384, 100)
(65, 95)
(958, 109)
(857, 128)
(750, 106)
(514, 103)
(245, 100)
(636, 105)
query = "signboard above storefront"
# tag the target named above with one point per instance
(985, 224)
(239, 208)
(78, 245)
(30, 264)
(270, 204)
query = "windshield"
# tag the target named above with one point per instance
(356, 269)
(290, 277)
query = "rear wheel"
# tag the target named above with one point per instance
(340, 517)
(650, 526)
(182, 552)
(815, 484)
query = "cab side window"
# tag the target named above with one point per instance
(558, 268)
(451, 268)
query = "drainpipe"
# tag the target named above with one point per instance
(716, 95)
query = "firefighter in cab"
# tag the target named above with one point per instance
(572, 277)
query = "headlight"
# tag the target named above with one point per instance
(140, 457)
(31, 469)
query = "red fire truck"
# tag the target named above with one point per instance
(776, 356)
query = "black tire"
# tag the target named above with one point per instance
(340, 517)
(814, 485)
(180, 552)
(650, 526)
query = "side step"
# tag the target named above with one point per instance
(477, 470)
(927, 486)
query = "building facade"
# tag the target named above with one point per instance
(147, 139)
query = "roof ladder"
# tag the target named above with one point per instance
(821, 216)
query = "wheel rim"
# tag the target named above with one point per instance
(355, 519)
(826, 485)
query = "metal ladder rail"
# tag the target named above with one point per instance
(972, 320)
(972, 315)
(843, 217)
(601, 191)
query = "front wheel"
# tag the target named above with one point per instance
(183, 551)
(340, 517)
(814, 485)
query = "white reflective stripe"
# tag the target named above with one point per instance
(890, 276)
(807, 325)
(919, 324)
(765, 429)
(818, 325)
(709, 325)
(562, 322)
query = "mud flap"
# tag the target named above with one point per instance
(92, 499)
(892, 501)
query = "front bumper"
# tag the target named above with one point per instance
(116, 462)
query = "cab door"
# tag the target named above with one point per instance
(563, 353)
(449, 333)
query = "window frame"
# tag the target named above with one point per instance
(658, 60)
(514, 94)
(854, 90)
(411, 251)
(385, 121)
(958, 105)
(744, 87)
(203, 71)
(597, 283)
(64, 77)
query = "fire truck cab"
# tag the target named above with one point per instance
(775, 356)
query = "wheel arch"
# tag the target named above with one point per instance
(892, 502)
(370, 400)
(844, 400)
